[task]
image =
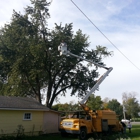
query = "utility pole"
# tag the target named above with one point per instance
(124, 112)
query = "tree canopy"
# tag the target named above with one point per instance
(30, 61)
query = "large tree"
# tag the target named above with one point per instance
(131, 104)
(30, 62)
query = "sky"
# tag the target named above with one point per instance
(117, 27)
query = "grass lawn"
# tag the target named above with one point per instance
(134, 135)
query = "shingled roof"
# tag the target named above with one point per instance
(20, 103)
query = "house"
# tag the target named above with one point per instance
(25, 115)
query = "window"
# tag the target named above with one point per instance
(27, 116)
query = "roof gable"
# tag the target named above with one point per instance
(12, 102)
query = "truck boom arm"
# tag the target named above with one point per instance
(63, 51)
(100, 80)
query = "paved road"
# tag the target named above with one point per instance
(135, 123)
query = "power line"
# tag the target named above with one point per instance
(105, 36)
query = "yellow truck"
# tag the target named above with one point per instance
(97, 122)
(89, 121)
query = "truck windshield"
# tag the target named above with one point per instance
(80, 115)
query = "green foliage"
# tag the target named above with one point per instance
(21, 51)
(55, 107)
(116, 106)
(30, 61)
(94, 102)
(66, 107)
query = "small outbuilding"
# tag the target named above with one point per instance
(22, 115)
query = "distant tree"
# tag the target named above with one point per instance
(131, 104)
(94, 102)
(105, 102)
(66, 107)
(74, 106)
(56, 107)
(30, 61)
(116, 106)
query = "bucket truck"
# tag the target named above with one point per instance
(89, 121)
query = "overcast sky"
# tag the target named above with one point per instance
(118, 20)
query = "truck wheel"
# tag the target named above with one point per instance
(83, 134)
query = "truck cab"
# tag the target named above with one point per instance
(79, 123)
